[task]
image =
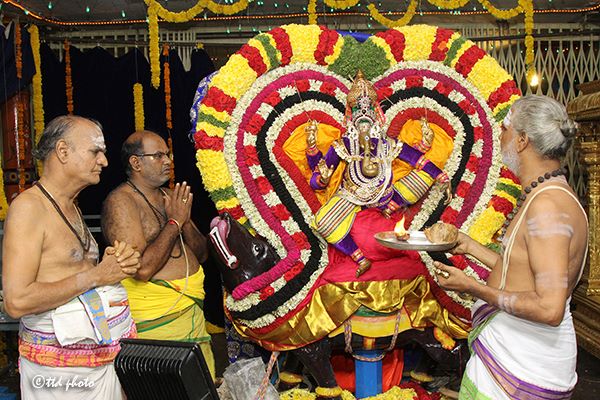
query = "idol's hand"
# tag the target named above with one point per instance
(325, 171)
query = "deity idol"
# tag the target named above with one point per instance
(368, 177)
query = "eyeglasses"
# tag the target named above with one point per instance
(159, 155)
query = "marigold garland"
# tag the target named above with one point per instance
(38, 103)
(341, 4)
(449, 4)
(18, 52)
(153, 47)
(167, 80)
(68, 78)
(3, 202)
(406, 18)
(156, 10)
(524, 7)
(138, 106)
(20, 142)
(312, 12)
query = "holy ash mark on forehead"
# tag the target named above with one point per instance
(98, 141)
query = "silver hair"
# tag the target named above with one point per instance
(545, 122)
(56, 130)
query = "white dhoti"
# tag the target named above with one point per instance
(68, 353)
(512, 358)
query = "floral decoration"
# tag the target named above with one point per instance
(18, 51)
(168, 118)
(156, 10)
(279, 79)
(3, 202)
(38, 103)
(68, 78)
(312, 12)
(389, 23)
(341, 4)
(138, 106)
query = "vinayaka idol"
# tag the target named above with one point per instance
(366, 153)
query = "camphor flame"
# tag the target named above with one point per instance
(399, 230)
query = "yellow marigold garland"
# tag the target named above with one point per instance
(38, 99)
(38, 103)
(153, 47)
(449, 4)
(406, 18)
(138, 106)
(3, 202)
(395, 393)
(341, 4)
(501, 14)
(524, 7)
(68, 78)
(18, 52)
(156, 10)
(312, 12)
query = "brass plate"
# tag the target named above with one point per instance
(417, 241)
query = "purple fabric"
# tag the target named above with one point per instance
(482, 314)
(412, 155)
(514, 387)
(346, 245)
(331, 159)
(313, 160)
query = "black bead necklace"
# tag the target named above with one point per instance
(85, 240)
(526, 191)
(158, 214)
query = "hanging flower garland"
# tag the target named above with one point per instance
(312, 12)
(153, 47)
(341, 4)
(449, 4)
(389, 23)
(527, 6)
(155, 10)
(38, 100)
(167, 80)
(68, 78)
(138, 106)
(3, 202)
(20, 133)
(18, 52)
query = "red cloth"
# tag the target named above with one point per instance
(388, 264)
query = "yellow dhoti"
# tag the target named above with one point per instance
(162, 310)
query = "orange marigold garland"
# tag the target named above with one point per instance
(20, 142)
(38, 99)
(68, 78)
(168, 117)
(20, 111)
(18, 52)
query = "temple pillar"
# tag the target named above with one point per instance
(585, 109)
(17, 160)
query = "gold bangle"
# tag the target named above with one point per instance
(328, 392)
(290, 378)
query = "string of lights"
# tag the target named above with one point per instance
(277, 16)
